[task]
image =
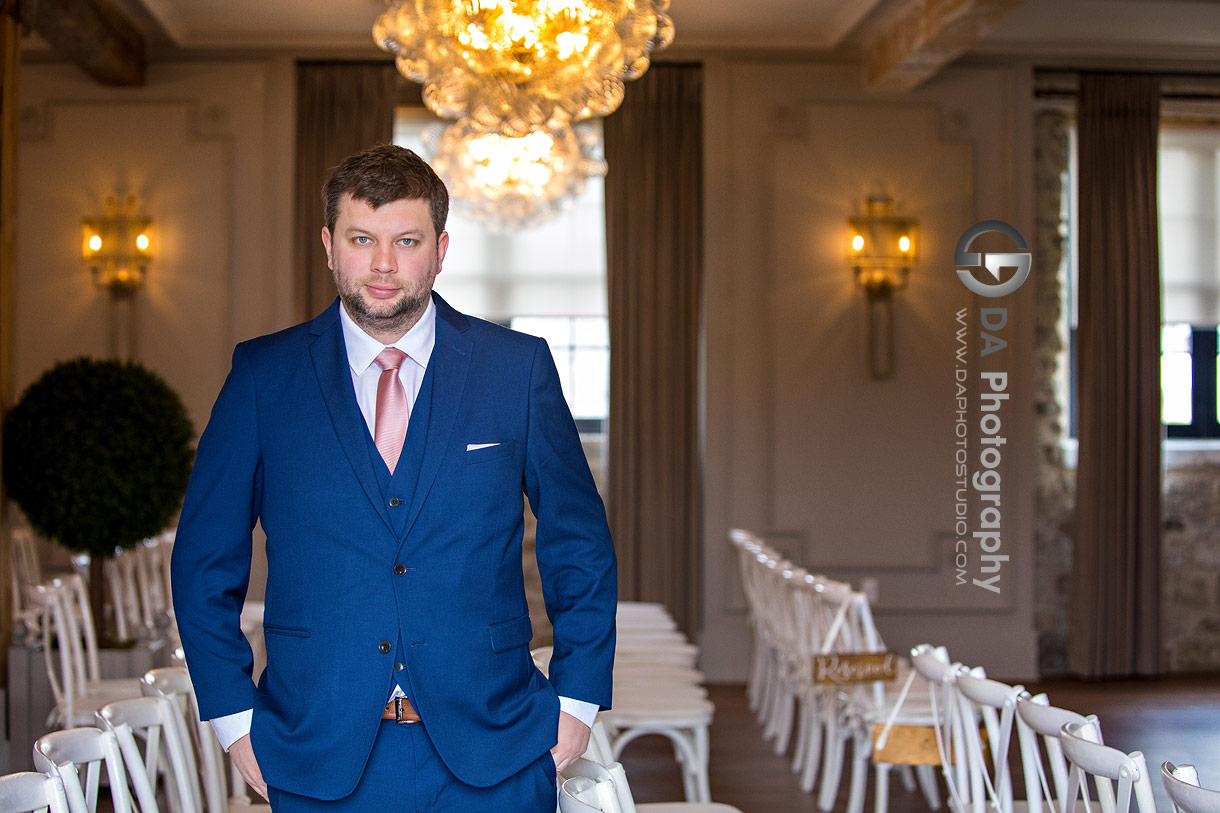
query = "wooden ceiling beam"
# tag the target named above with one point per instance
(926, 36)
(90, 33)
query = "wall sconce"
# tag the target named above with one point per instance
(883, 248)
(115, 247)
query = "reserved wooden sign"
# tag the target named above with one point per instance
(855, 667)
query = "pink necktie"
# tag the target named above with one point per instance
(391, 419)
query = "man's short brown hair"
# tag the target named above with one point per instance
(381, 175)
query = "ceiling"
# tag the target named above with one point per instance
(900, 42)
(346, 23)
(1157, 29)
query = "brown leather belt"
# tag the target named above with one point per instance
(400, 710)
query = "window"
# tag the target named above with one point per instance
(1189, 381)
(581, 347)
(1190, 279)
(1188, 203)
(549, 281)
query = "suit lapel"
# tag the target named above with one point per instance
(334, 379)
(449, 364)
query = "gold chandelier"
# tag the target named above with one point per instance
(510, 182)
(517, 66)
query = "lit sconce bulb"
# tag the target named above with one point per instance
(904, 243)
(116, 245)
(857, 243)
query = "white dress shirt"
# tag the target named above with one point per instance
(362, 351)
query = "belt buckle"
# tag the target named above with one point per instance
(398, 713)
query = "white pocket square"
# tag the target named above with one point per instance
(470, 447)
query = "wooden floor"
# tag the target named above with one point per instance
(1176, 719)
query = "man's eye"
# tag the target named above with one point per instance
(407, 241)
(361, 240)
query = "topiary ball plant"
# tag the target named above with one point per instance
(97, 454)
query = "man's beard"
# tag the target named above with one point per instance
(404, 315)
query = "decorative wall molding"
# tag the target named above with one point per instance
(851, 475)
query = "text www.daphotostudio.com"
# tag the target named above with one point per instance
(981, 392)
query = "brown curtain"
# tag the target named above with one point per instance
(654, 261)
(342, 108)
(1116, 558)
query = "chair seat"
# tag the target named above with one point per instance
(630, 624)
(685, 655)
(905, 716)
(637, 694)
(659, 675)
(108, 691)
(660, 672)
(119, 687)
(684, 698)
(685, 807)
(687, 717)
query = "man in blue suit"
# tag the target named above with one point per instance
(398, 672)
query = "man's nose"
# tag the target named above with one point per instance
(384, 261)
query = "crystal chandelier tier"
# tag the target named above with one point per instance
(516, 66)
(509, 182)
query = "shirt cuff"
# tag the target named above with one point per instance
(580, 709)
(232, 727)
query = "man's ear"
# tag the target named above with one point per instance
(442, 246)
(330, 259)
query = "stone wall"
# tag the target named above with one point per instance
(1056, 482)
(1190, 570)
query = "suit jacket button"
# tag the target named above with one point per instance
(398, 667)
(400, 569)
(395, 502)
(384, 647)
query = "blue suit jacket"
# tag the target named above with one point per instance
(287, 445)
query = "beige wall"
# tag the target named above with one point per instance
(207, 149)
(850, 476)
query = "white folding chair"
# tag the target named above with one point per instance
(66, 754)
(29, 792)
(83, 640)
(1182, 784)
(150, 580)
(174, 684)
(150, 720)
(1088, 757)
(819, 606)
(852, 712)
(1038, 721)
(767, 569)
(643, 616)
(949, 718)
(609, 790)
(995, 703)
(748, 547)
(70, 660)
(580, 794)
(25, 572)
(789, 662)
(680, 714)
(120, 572)
(655, 693)
(167, 550)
